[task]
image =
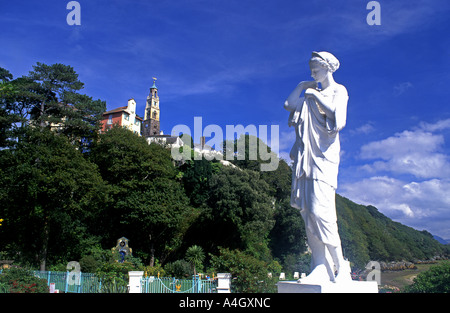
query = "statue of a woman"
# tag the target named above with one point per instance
(318, 117)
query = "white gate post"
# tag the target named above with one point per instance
(223, 282)
(134, 281)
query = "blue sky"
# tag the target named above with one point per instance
(235, 62)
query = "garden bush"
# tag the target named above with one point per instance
(17, 280)
(435, 280)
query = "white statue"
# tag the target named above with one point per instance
(318, 117)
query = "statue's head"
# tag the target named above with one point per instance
(324, 59)
(321, 64)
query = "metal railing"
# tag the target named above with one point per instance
(78, 282)
(173, 285)
(71, 282)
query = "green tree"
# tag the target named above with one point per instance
(81, 119)
(49, 97)
(48, 193)
(53, 83)
(195, 256)
(62, 107)
(238, 213)
(435, 280)
(196, 178)
(179, 269)
(249, 152)
(249, 274)
(127, 160)
(8, 119)
(279, 180)
(288, 236)
(147, 204)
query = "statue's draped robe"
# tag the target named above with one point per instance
(316, 161)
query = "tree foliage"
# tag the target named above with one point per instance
(368, 235)
(195, 256)
(49, 97)
(249, 274)
(146, 202)
(48, 188)
(435, 280)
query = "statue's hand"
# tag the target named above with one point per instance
(308, 84)
(311, 92)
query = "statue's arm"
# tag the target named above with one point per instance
(294, 99)
(341, 109)
(329, 104)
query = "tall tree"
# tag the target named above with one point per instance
(239, 213)
(62, 107)
(288, 236)
(196, 175)
(55, 81)
(148, 205)
(8, 118)
(49, 97)
(195, 256)
(48, 192)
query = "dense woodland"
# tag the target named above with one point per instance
(68, 192)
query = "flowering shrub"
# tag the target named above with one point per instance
(17, 280)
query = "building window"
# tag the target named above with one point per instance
(126, 116)
(110, 119)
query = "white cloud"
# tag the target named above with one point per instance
(287, 140)
(409, 152)
(432, 127)
(402, 88)
(363, 129)
(423, 202)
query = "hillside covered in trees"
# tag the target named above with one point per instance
(70, 192)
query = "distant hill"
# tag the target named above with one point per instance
(442, 240)
(368, 235)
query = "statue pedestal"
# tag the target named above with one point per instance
(329, 287)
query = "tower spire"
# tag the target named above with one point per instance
(154, 83)
(151, 119)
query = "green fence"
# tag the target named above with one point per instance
(78, 282)
(172, 285)
(71, 282)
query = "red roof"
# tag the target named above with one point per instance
(120, 109)
(115, 110)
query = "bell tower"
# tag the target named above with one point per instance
(151, 125)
